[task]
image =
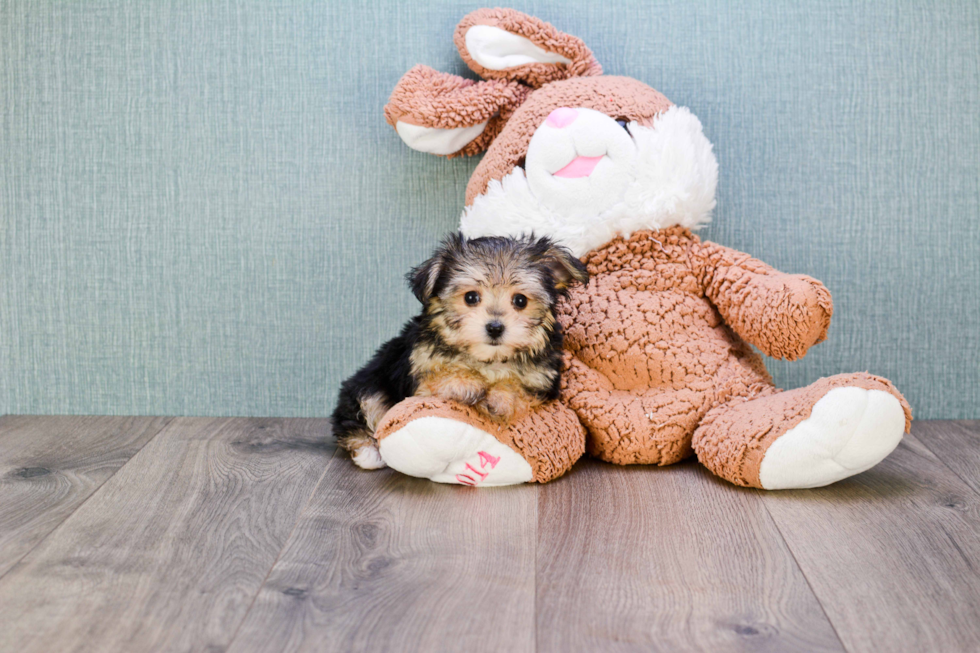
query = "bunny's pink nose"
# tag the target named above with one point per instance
(562, 117)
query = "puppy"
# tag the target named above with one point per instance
(487, 337)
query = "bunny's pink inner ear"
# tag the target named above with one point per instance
(444, 114)
(507, 44)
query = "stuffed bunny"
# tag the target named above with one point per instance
(658, 362)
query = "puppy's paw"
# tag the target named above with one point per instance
(500, 405)
(363, 449)
(368, 457)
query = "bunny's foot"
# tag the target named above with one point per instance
(447, 442)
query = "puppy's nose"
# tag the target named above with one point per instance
(562, 117)
(495, 328)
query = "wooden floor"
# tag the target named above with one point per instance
(157, 534)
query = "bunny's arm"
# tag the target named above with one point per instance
(781, 314)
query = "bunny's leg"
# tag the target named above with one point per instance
(809, 437)
(448, 442)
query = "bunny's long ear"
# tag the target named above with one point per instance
(509, 45)
(448, 115)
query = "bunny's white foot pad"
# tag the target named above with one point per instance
(445, 450)
(849, 431)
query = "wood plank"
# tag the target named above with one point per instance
(385, 562)
(50, 465)
(893, 554)
(667, 559)
(957, 444)
(170, 552)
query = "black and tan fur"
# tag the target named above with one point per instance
(500, 354)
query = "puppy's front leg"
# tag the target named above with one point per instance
(455, 387)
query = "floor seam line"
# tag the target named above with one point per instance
(285, 544)
(943, 463)
(809, 585)
(537, 536)
(86, 499)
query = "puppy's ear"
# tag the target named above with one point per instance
(565, 268)
(424, 279)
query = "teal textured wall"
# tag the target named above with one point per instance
(203, 212)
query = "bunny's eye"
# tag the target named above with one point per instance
(624, 123)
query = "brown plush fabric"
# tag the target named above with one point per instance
(652, 353)
(619, 97)
(429, 98)
(657, 347)
(733, 437)
(550, 438)
(542, 34)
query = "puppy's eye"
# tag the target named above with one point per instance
(472, 298)
(624, 123)
(519, 301)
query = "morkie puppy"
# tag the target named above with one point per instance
(487, 337)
